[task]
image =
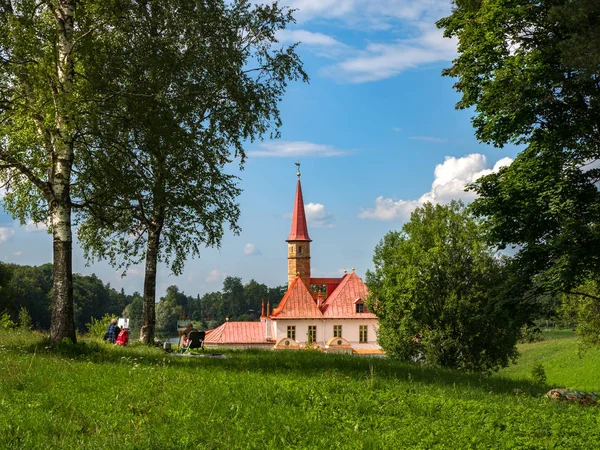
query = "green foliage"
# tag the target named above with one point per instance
(437, 289)
(168, 311)
(25, 322)
(195, 83)
(531, 333)
(30, 287)
(530, 70)
(47, 101)
(583, 309)
(133, 312)
(97, 327)
(538, 374)
(6, 322)
(301, 400)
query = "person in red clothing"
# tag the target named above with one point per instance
(123, 338)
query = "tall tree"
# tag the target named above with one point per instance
(436, 291)
(193, 81)
(39, 44)
(47, 96)
(531, 70)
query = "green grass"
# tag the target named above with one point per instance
(564, 364)
(93, 395)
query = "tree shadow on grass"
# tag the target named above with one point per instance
(287, 362)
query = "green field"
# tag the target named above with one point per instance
(94, 395)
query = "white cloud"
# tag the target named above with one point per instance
(450, 179)
(215, 275)
(378, 13)
(32, 227)
(384, 60)
(308, 38)
(6, 234)
(427, 139)
(322, 44)
(309, 9)
(17, 253)
(396, 129)
(135, 272)
(286, 149)
(251, 250)
(407, 35)
(317, 217)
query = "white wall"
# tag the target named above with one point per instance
(350, 330)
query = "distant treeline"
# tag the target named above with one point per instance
(236, 301)
(31, 287)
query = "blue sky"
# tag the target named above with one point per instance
(376, 133)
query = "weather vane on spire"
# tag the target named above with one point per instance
(298, 166)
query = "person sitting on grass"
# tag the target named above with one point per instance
(123, 338)
(112, 332)
(186, 333)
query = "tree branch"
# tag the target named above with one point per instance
(16, 164)
(583, 294)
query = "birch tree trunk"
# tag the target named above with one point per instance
(62, 322)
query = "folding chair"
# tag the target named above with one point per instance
(195, 340)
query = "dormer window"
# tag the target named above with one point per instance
(360, 306)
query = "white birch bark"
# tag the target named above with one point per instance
(62, 323)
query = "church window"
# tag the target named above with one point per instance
(363, 333)
(291, 332)
(337, 331)
(312, 334)
(360, 308)
(299, 249)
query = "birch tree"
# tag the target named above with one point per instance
(193, 81)
(41, 82)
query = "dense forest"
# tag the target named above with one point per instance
(30, 287)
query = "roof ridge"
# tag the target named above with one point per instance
(283, 301)
(303, 305)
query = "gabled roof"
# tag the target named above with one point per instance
(342, 302)
(299, 231)
(237, 333)
(297, 303)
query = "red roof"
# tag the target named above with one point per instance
(299, 231)
(237, 333)
(341, 303)
(297, 303)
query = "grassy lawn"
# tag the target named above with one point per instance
(94, 395)
(564, 365)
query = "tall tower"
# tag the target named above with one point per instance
(298, 241)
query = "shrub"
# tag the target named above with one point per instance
(538, 374)
(25, 322)
(530, 334)
(6, 322)
(97, 327)
(442, 295)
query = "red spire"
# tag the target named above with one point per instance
(299, 231)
